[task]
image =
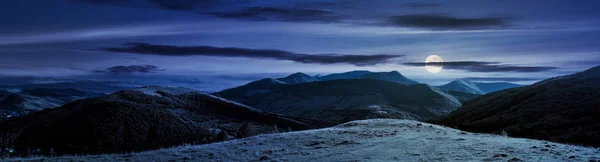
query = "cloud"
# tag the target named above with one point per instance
(180, 5)
(446, 22)
(422, 4)
(477, 66)
(100, 1)
(131, 69)
(504, 79)
(342, 12)
(280, 14)
(167, 50)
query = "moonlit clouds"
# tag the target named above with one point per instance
(63, 38)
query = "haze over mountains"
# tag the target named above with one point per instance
(82, 85)
(563, 109)
(16, 102)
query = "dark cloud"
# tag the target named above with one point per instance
(354, 12)
(504, 79)
(182, 5)
(131, 69)
(477, 66)
(167, 50)
(280, 14)
(422, 4)
(446, 22)
(100, 1)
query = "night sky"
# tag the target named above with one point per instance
(215, 44)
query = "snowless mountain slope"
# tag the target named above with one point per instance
(476, 87)
(393, 76)
(365, 140)
(493, 87)
(463, 86)
(239, 94)
(562, 109)
(264, 86)
(139, 119)
(297, 78)
(339, 101)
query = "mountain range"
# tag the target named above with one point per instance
(563, 109)
(157, 117)
(140, 119)
(341, 100)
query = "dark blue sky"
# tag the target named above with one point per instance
(216, 44)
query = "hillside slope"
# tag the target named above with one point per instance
(393, 76)
(338, 101)
(139, 119)
(476, 87)
(367, 140)
(563, 109)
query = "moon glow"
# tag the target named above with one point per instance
(434, 68)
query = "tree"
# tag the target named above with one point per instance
(275, 129)
(246, 130)
(222, 136)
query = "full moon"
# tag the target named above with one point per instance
(434, 68)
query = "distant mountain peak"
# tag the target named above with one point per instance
(298, 74)
(297, 78)
(395, 72)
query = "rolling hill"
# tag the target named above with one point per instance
(139, 119)
(365, 140)
(562, 109)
